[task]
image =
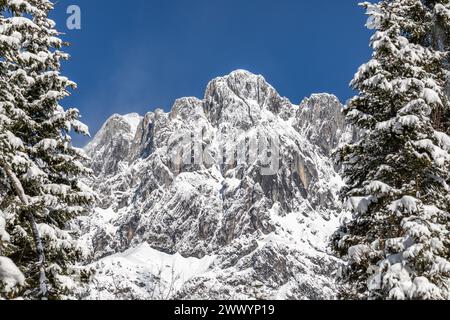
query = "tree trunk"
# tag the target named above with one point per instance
(43, 286)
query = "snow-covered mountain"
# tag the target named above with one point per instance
(231, 197)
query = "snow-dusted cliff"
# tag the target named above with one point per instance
(232, 197)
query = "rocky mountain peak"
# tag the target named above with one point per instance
(111, 145)
(241, 179)
(241, 98)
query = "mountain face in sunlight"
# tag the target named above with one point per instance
(215, 223)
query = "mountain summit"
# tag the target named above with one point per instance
(229, 197)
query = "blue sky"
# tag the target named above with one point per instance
(138, 55)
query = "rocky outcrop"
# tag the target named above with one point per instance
(112, 145)
(320, 119)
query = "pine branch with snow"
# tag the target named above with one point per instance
(11, 278)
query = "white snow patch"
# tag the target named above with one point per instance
(431, 96)
(10, 275)
(407, 203)
(133, 119)
(440, 156)
(444, 140)
(172, 271)
(4, 236)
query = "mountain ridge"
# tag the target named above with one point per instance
(265, 217)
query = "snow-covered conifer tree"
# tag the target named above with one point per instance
(398, 242)
(40, 171)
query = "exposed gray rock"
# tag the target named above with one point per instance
(321, 120)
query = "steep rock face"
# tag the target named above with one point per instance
(111, 148)
(243, 177)
(320, 119)
(112, 144)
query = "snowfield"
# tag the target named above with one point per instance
(149, 273)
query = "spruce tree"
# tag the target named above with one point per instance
(40, 170)
(398, 242)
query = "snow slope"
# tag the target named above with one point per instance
(144, 273)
